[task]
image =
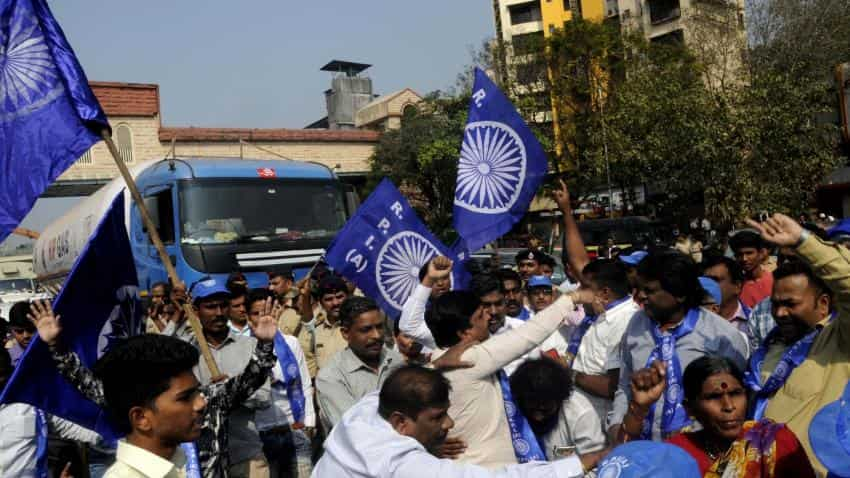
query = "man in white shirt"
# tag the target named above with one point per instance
(592, 345)
(238, 322)
(287, 439)
(394, 433)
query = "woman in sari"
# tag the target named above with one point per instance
(728, 446)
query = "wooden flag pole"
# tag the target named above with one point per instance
(163, 255)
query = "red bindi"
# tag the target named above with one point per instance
(724, 386)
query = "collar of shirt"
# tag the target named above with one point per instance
(231, 337)
(147, 463)
(321, 320)
(352, 363)
(245, 331)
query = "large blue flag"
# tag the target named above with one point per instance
(383, 247)
(98, 304)
(48, 114)
(501, 166)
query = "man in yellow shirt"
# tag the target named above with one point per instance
(798, 302)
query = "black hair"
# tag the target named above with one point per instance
(509, 274)
(423, 271)
(332, 284)
(235, 277)
(411, 389)
(166, 287)
(18, 316)
(747, 238)
(285, 273)
(540, 379)
(736, 272)
(396, 328)
(677, 274)
(610, 273)
(546, 260)
(451, 313)
(698, 371)
(256, 295)
(484, 284)
(796, 266)
(237, 291)
(139, 369)
(352, 307)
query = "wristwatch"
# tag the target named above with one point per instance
(804, 234)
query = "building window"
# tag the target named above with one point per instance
(124, 142)
(85, 158)
(567, 5)
(527, 43)
(663, 10)
(524, 13)
(408, 112)
(674, 38)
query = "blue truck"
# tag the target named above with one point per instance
(215, 216)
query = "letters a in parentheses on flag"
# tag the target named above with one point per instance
(49, 116)
(383, 247)
(501, 166)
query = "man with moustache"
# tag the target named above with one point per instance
(361, 367)
(514, 297)
(232, 352)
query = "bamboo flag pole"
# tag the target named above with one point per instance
(163, 255)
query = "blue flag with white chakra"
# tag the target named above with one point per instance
(49, 116)
(501, 167)
(383, 247)
(98, 304)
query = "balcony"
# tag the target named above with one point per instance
(661, 11)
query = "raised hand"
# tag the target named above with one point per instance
(266, 326)
(648, 384)
(47, 324)
(779, 229)
(562, 197)
(439, 268)
(452, 448)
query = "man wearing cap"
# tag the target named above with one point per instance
(232, 353)
(527, 263)
(824, 368)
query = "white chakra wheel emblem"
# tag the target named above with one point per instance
(399, 261)
(28, 78)
(491, 169)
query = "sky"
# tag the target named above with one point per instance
(255, 63)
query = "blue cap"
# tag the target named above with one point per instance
(207, 287)
(645, 459)
(840, 229)
(634, 258)
(539, 281)
(829, 435)
(712, 288)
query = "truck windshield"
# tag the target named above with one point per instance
(262, 210)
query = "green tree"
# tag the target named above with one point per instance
(421, 158)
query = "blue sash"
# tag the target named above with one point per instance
(41, 444)
(674, 417)
(792, 357)
(291, 376)
(526, 447)
(747, 311)
(193, 468)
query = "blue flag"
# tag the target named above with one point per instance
(49, 116)
(98, 304)
(383, 247)
(501, 167)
